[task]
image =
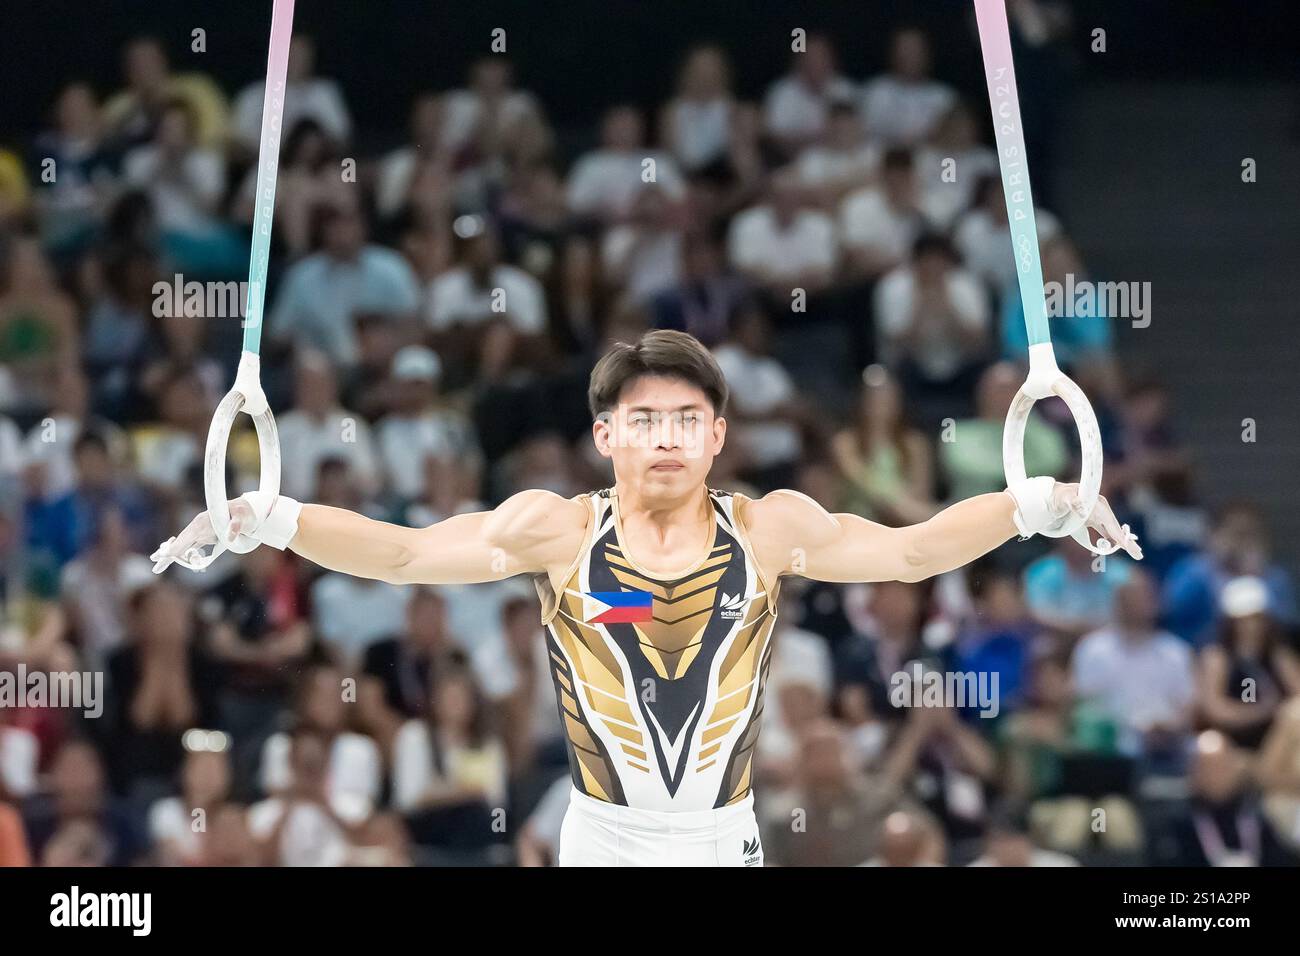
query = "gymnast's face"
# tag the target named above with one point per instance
(662, 438)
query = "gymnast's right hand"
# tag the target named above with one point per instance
(187, 548)
(256, 517)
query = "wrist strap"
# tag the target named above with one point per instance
(1033, 497)
(277, 518)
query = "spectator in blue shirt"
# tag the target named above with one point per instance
(49, 520)
(323, 293)
(100, 487)
(1069, 593)
(997, 639)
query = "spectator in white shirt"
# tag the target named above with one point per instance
(318, 427)
(97, 586)
(784, 243)
(1140, 675)
(797, 106)
(983, 237)
(879, 224)
(453, 757)
(306, 822)
(307, 96)
(323, 294)
(932, 319)
(765, 406)
(11, 449)
(604, 183)
(513, 666)
(418, 428)
(20, 751)
(451, 487)
(698, 124)
(482, 288)
(349, 614)
(397, 172)
(185, 184)
(53, 440)
(903, 106)
(844, 162)
(952, 164)
(352, 771)
(484, 313)
(642, 257)
(179, 826)
(481, 117)
(798, 693)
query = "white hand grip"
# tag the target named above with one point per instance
(247, 396)
(1045, 379)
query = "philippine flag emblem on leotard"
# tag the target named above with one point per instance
(618, 607)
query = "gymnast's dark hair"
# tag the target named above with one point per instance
(665, 353)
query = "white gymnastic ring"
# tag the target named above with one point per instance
(1043, 381)
(214, 462)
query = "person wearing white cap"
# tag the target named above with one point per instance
(418, 428)
(1248, 673)
(1238, 544)
(417, 364)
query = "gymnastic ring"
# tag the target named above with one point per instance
(1046, 379)
(245, 396)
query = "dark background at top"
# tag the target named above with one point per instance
(583, 55)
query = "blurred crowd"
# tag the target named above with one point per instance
(433, 313)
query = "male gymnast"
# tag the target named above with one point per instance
(659, 596)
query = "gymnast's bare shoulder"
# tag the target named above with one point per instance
(782, 527)
(538, 529)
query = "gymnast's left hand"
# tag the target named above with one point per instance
(1045, 506)
(1065, 500)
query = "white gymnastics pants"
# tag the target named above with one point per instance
(596, 833)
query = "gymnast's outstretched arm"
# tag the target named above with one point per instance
(532, 531)
(792, 534)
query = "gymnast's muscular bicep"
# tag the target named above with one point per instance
(532, 531)
(792, 534)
